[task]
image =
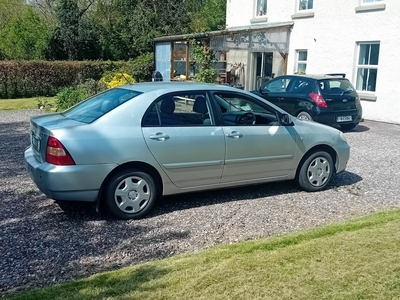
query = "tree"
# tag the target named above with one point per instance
(210, 16)
(25, 36)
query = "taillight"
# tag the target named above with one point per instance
(318, 99)
(56, 153)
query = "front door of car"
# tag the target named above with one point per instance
(180, 133)
(254, 151)
(276, 92)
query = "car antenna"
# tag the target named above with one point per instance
(123, 75)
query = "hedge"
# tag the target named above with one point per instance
(24, 79)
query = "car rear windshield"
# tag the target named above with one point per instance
(335, 86)
(93, 108)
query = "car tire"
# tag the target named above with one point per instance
(315, 171)
(304, 116)
(348, 127)
(130, 194)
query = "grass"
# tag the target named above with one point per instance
(354, 260)
(25, 103)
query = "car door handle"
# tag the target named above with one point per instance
(281, 99)
(159, 136)
(234, 134)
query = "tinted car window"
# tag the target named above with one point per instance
(335, 86)
(300, 86)
(188, 109)
(277, 85)
(97, 106)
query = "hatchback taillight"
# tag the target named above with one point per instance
(318, 99)
(56, 153)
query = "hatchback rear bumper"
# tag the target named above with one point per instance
(330, 118)
(70, 183)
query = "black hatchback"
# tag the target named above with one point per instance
(329, 99)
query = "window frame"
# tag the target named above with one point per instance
(298, 61)
(299, 3)
(256, 4)
(368, 67)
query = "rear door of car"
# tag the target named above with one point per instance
(184, 139)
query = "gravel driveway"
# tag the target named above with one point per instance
(42, 245)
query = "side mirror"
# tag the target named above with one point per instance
(286, 120)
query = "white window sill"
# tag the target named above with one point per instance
(370, 7)
(303, 15)
(262, 19)
(367, 96)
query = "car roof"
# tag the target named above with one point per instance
(319, 76)
(175, 86)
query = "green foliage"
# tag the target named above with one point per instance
(142, 67)
(210, 16)
(26, 36)
(205, 61)
(92, 86)
(43, 78)
(69, 97)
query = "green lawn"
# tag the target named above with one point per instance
(25, 103)
(355, 260)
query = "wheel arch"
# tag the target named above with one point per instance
(145, 167)
(317, 148)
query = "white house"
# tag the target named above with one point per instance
(358, 37)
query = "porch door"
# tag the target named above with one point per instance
(163, 60)
(263, 67)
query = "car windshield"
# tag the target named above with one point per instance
(335, 86)
(93, 108)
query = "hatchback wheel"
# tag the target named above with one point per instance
(130, 194)
(304, 116)
(315, 172)
(348, 126)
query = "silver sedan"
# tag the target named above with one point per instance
(128, 146)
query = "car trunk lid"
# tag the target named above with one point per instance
(339, 94)
(41, 128)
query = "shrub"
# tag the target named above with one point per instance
(142, 67)
(69, 97)
(113, 79)
(92, 86)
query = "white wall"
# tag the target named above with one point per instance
(331, 37)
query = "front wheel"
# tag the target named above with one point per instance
(315, 172)
(130, 194)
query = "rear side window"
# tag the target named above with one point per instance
(335, 86)
(93, 108)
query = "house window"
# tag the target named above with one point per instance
(301, 64)
(367, 67)
(261, 8)
(305, 4)
(370, 1)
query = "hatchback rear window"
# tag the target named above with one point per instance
(93, 108)
(335, 86)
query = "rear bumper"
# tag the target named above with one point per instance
(330, 118)
(69, 183)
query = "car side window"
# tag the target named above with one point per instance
(277, 85)
(239, 110)
(179, 109)
(300, 86)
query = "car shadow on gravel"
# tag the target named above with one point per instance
(191, 200)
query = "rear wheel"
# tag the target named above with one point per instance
(315, 172)
(304, 116)
(130, 194)
(348, 126)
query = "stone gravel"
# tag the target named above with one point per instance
(41, 245)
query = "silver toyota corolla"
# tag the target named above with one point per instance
(128, 146)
